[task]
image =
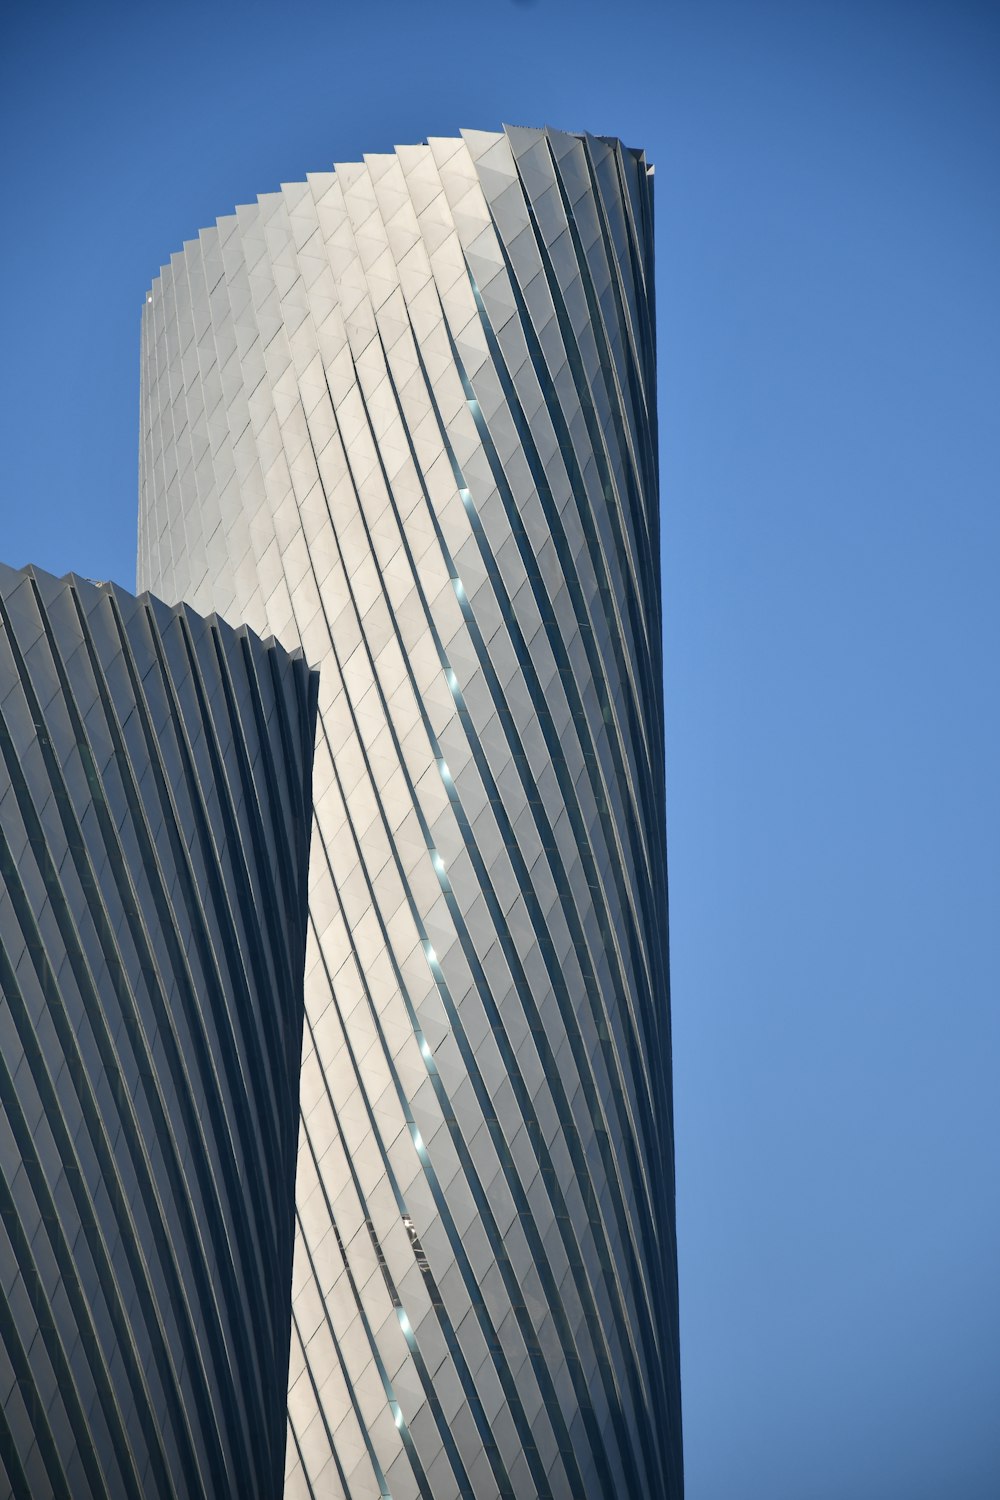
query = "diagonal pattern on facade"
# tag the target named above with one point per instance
(154, 841)
(402, 414)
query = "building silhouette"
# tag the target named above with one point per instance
(154, 840)
(402, 416)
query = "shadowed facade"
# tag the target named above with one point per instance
(154, 842)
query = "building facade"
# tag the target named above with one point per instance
(154, 843)
(403, 415)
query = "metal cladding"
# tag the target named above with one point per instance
(402, 414)
(154, 844)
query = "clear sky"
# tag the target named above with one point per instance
(828, 196)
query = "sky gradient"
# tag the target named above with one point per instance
(828, 246)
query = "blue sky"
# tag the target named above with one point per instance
(828, 243)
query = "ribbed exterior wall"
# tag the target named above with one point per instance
(154, 837)
(403, 413)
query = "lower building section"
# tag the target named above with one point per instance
(154, 837)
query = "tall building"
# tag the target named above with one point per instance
(403, 415)
(154, 841)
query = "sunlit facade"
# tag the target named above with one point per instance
(402, 415)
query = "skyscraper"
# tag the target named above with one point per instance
(154, 840)
(403, 415)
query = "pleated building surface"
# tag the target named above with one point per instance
(402, 415)
(155, 819)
